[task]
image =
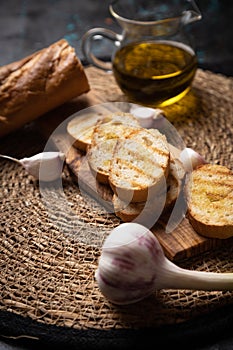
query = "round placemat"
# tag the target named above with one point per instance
(48, 275)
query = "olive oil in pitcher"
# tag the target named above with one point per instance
(156, 72)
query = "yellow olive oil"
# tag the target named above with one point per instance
(158, 72)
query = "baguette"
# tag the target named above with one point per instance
(139, 166)
(38, 83)
(209, 193)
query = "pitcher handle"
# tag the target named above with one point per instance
(87, 41)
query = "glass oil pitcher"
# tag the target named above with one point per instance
(153, 61)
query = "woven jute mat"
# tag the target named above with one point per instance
(47, 273)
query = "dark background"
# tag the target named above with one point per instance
(29, 25)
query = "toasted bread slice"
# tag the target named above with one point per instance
(115, 126)
(81, 128)
(121, 118)
(99, 156)
(131, 211)
(146, 213)
(174, 182)
(209, 192)
(156, 143)
(127, 212)
(104, 138)
(139, 166)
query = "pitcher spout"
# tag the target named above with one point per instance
(191, 15)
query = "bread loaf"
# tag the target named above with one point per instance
(38, 83)
(209, 192)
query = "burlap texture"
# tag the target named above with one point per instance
(48, 273)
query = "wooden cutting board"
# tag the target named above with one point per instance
(183, 242)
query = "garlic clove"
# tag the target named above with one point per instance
(159, 118)
(148, 117)
(191, 159)
(144, 115)
(45, 166)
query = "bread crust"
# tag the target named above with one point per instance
(99, 165)
(38, 83)
(211, 231)
(209, 193)
(146, 213)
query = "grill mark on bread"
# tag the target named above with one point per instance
(215, 183)
(148, 143)
(155, 143)
(137, 156)
(128, 211)
(133, 167)
(210, 201)
(107, 132)
(214, 186)
(136, 170)
(157, 151)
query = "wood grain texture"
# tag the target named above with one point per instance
(183, 242)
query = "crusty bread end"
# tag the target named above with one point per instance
(38, 83)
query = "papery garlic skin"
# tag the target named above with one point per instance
(45, 166)
(191, 159)
(126, 271)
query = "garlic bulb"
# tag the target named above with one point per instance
(191, 159)
(45, 166)
(132, 266)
